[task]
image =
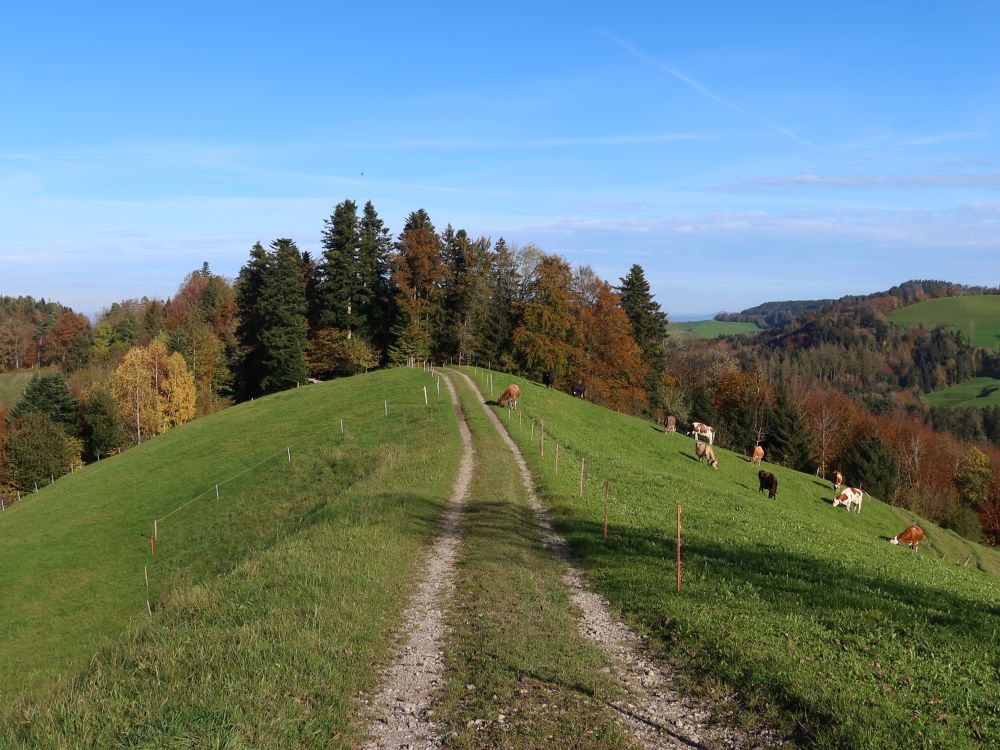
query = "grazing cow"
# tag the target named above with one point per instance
(510, 396)
(671, 424)
(758, 455)
(548, 379)
(838, 479)
(912, 536)
(850, 495)
(705, 452)
(699, 430)
(768, 482)
(578, 390)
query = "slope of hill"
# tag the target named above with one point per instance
(978, 317)
(802, 607)
(978, 392)
(287, 585)
(712, 329)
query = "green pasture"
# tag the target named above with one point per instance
(712, 329)
(976, 316)
(978, 392)
(804, 609)
(12, 385)
(272, 607)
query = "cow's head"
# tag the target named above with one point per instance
(894, 540)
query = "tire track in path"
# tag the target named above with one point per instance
(401, 713)
(658, 716)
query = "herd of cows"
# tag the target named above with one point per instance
(704, 439)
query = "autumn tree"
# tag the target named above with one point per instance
(550, 336)
(153, 390)
(973, 478)
(615, 372)
(418, 272)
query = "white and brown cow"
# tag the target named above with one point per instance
(700, 430)
(850, 496)
(758, 455)
(510, 396)
(912, 536)
(838, 479)
(705, 453)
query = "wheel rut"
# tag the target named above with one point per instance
(401, 714)
(657, 716)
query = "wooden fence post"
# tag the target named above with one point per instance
(678, 549)
(557, 457)
(425, 396)
(605, 510)
(581, 476)
(541, 445)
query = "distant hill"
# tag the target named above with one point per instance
(977, 317)
(712, 329)
(774, 314)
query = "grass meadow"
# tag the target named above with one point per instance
(977, 392)
(976, 316)
(820, 624)
(712, 329)
(272, 606)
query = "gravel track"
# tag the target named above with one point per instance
(401, 714)
(658, 716)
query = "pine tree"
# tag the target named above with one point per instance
(504, 302)
(376, 303)
(50, 395)
(788, 441)
(649, 329)
(249, 370)
(282, 310)
(340, 279)
(871, 464)
(102, 425)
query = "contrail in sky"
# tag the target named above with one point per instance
(707, 93)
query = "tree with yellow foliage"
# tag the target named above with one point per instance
(153, 390)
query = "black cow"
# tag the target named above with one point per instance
(578, 390)
(548, 378)
(768, 482)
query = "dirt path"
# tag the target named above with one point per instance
(401, 714)
(657, 716)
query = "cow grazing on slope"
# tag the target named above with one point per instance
(768, 482)
(705, 452)
(548, 379)
(579, 390)
(671, 424)
(510, 395)
(838, 479)
(912, 536)
(700, 430)
(758, 455)
(850, 496)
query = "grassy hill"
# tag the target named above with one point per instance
(272, 606)
(712, 329)
(977, 392)
(978, 315)
(12, 384)
(804, 608)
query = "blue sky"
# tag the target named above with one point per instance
(740, 152)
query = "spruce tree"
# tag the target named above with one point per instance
(871, 464)
(418, 273)
(649, 329)
(788, 439)
(50, 395)
(283, 311)
(340, 280)
(376, 304)
(249, 368)
(102, 425)
(504, 313)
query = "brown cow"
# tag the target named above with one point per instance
(758, 455)
(768, 482)
(671, 424)
(912, 536)
(510, 395)
(850, 496)
(699, 429)
(838, 479)
(705, 452)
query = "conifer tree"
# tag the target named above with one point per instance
(102, 425)
(282, 310)
(50, 395)
(250, 356)
(649, 329)
(376, 304)
(788, 440)
(504, 314)
(340, 279)
(418, 272)
(871, 464)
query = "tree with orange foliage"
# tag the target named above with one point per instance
(615, 372)
(550, 336)
(418, 271)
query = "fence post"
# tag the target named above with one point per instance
(557, 457)
(541, 445)
(425, 396)
(581, 476)
(341, 426)
(605, 510)
(216, 492)
(385, 406)
(289, 454)
(678, 549)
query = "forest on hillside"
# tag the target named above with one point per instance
(827, 386)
